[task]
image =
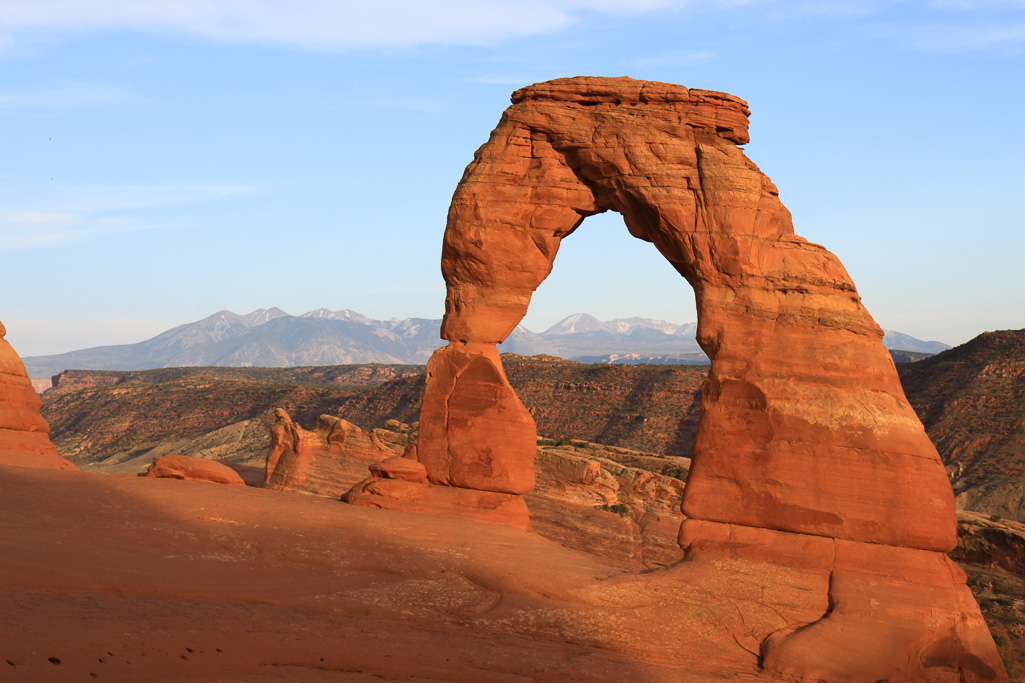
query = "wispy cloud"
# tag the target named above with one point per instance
(72, 96)
(80, 212)
(27, 229)
(327, 24)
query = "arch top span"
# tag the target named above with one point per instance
(718, 112)
(664, 156)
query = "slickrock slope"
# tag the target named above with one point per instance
(141, 579)
(807, 454)
(24, 434)
(972, 401)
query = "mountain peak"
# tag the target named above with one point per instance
(574, 324)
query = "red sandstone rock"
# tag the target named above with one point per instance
(474, 432)
(326, 461)
(24, 434)
(194, 469)
(804, 426)
(400, 468)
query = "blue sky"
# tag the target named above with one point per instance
(160, 161)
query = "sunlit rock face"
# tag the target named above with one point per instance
(24, 434)
(807, 454)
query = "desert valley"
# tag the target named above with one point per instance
(777, 493)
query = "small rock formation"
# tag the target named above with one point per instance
(807, 454)
(194, 469)
(24, 434)
(326, 461)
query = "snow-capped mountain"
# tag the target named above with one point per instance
(272, 338)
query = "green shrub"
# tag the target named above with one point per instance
(677, 472)
(621, 509)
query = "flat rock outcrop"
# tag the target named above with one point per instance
(194, 469)
(326, 461)
(807, 454)
(24, 434)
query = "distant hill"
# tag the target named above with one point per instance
(905, 342)
(971, 399)
(273, 338)
(114, 417)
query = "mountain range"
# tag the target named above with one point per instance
(273, 338)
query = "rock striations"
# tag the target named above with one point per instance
(807, 458)
(24, 434)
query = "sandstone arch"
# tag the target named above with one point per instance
(807, 455)
(804, 425)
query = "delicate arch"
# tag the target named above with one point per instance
(804, 426)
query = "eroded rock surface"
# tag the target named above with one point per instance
(586, 500)
(24, 434)
(326, 461)
(807, 454)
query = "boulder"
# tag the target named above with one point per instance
(194, 469)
